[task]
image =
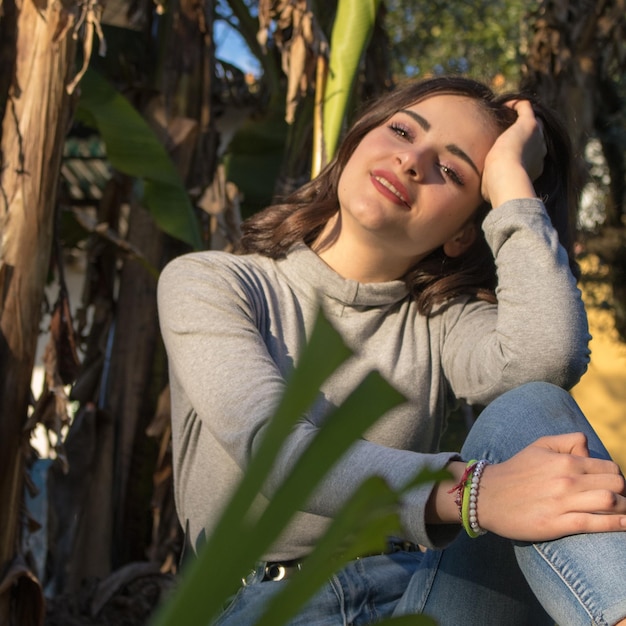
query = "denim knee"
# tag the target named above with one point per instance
(519, 417)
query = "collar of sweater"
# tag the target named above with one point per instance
(305, 270)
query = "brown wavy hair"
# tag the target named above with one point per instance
(436, 278)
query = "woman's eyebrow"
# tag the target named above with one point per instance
(452, 148)
(425, 124)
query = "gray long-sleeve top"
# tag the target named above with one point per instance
(234, 326)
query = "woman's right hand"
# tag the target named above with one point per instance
(551, 489)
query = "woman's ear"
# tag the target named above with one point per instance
(461, 241)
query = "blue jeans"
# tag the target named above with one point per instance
(487, 581)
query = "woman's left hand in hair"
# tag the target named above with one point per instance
(515, 159)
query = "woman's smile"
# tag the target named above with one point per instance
(390, 186)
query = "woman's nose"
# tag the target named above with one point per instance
(412, 162)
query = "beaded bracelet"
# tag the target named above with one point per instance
(469, 508)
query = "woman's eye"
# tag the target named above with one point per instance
(400, 130)
(451, 174)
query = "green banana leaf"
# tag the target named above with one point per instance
(352, 30)
(360, 528)
(241, 536)
(255, 156)
(133, 149)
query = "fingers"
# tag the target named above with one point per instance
(591, 511)
(535, 148)
(599, 502)
(568, 443)
(533, 131)
(576, 460)
(578, 523)
(591, 493)
(541, 132)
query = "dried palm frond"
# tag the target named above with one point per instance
(300, 41)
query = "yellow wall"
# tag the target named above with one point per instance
(602, 391)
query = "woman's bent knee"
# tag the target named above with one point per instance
(519, 417)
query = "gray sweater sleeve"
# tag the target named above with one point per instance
(538, 331)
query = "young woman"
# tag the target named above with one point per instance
(436, 243)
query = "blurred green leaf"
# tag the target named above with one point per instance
(241, 537)
(133, 148)
(230, 541)
(255, 156)
(360, 528)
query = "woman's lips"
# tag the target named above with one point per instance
(390, 187)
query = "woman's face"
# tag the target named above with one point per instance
(413, 183)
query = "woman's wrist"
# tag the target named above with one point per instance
(509, 182)
(441, 507)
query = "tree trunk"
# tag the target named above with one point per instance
(576, 58)
(136, 378)
(562, 65)
(35, 110)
